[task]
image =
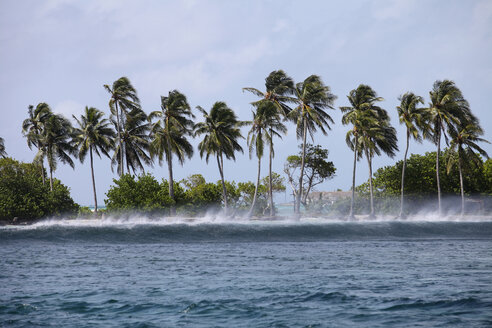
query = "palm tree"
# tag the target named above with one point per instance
(312, 98)
(464, 143)
(3, 153)
(135, 142)
(169, 133)
(123, 100)
(362, 113)
(221, 130)
(415, 120)
(56, 142)
(447, 108)
(93, 134)
(32, 128)
(278, 87)
(266, 124)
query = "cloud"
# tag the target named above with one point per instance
(68, 108)
(393, 9)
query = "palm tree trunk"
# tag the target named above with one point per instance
(298, 199)
(256, 188)
(51, 179)
(351, 214)
(462, 189)
(403, 175)
(42, 171)
(437, 171)
(220, 163)
(93, 180)
(369, 161)
(171, 179)
(119, 138)
(270, 189)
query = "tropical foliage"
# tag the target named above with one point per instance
(3, 153)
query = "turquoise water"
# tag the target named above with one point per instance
(155, 273)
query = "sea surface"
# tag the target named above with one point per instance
(210, 272)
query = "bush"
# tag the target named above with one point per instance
(24, 196)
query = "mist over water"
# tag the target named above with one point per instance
(149, 271)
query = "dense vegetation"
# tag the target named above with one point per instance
(23, 195)
(134, 139)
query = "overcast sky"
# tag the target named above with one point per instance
(62, 52)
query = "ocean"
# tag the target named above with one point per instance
(212, 272)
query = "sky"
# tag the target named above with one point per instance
(62, 52)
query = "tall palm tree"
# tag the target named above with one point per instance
(169, 133)
(464, 141)
(94, 134)
(415, 120)
(135, 142)
(123, 100)
(312, 98)
(3, 153)
(278, 87)
(57, 143)
(362, 114)
(32, 128)
(221, 133)
(447, 108)
(265, 125)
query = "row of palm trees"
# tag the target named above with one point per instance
(137, 139)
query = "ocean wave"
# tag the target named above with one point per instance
(141, 229)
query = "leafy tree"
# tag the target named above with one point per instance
(312, 98)
(33, 126)
(317, 170)
(93, 135)
(447, 108)
(415, 120)
(123, 100)
(23, 196)
(3, 153)
(200, 195)
(464, 141)
(278, 88)
(169, 133)
(135, 139)
(221, 133)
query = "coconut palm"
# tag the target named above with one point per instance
(278, 87)
(169, 133)
(415, 120)
(463, 143)
(312, 98)
(362, 114)
(3, 153)
(123, 100)
(32, 128)
(94, 134)
(135, 142)
(265, 125)
(447, 108)
(221, 133)
(57, 144)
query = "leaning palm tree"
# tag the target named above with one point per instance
(3, 153)
(57, 143)
(265, 125)
(377, 138)
(123, 100)
(94, 134)
(278, 87)
(361, 114)
(415, 120)
(135, 142)
(32, 128)
(312, 98)
(221, 133)
(463, 143)
(447, 108)
(169, 133)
